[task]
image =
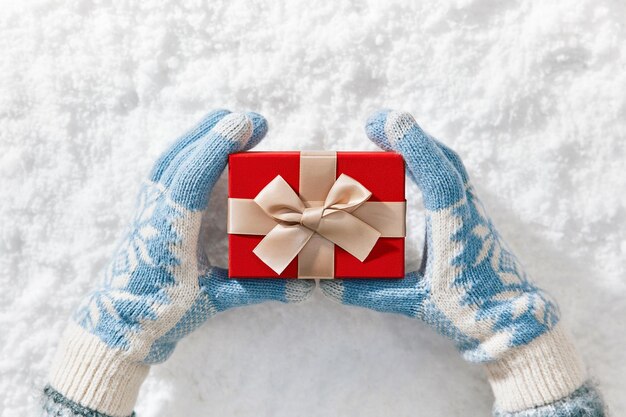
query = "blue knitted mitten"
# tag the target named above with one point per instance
(159, 286)
(473, 290)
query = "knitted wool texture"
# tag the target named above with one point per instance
(159, 285)
(55, 404)
(584, 402)
(470, 287)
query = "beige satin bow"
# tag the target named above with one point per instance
(298, 221)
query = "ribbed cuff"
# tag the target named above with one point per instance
(541, 372)
(91, 374)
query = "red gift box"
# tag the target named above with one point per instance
(381, 173)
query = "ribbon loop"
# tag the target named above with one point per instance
(297, 223)
(278, 200)
(346, 194)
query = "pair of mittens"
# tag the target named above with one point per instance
(471, 288)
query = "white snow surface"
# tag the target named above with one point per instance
(531, 94)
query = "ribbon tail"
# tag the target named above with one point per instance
(281, 245)
(349, 233)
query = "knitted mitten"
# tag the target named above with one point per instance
(159, 286)
(472, 289)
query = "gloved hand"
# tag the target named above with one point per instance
(159, 286)
(473, 290)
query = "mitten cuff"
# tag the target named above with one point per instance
(95, 376)
(541, 372)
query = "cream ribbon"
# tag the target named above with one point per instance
(297, 223)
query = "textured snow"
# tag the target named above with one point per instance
(532, 95)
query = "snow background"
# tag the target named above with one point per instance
(531, 95)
